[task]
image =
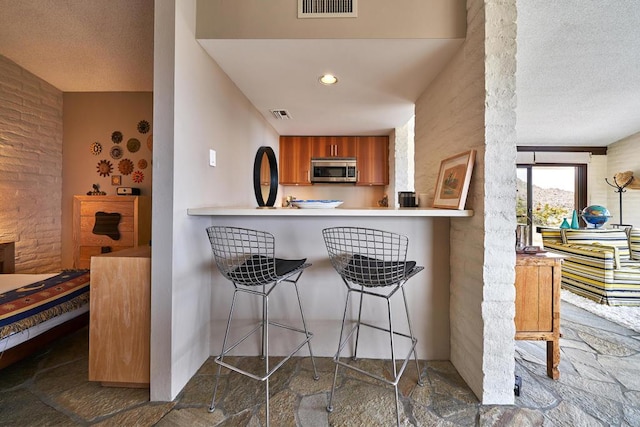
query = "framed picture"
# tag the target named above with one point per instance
(453, 181)
(116, 179)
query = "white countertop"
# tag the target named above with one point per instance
(371, 212)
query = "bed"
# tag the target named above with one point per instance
(37, 308)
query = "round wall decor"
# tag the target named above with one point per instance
(137, 177)
(143, 126)
(116, 137)
(150, 142)
(96, 148)
(116, 152)
(104, 168)
(125, 166)
(142, 164)
(133, 145)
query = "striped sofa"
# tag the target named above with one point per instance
(600, 264)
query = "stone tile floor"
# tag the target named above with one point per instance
(599, 385)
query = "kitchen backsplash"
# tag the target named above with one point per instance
(353, 196)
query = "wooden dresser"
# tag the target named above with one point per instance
(120, 318)
(133, 229)
(538, 303)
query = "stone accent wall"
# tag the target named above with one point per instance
(622, 156)
(401, 151)
(471, 105)
(30, 168)
(498, 308)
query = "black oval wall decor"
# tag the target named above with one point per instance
(273, 175)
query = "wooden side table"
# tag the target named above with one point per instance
(120, 318)
(7, 257)
(538, 279)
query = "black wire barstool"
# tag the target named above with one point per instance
(372, 262)
(246, 257)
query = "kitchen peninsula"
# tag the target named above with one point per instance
(298, 234)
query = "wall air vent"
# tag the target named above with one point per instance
(281, 114)
(327, 8)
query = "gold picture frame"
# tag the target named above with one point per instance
(116, 179)
(453, 181)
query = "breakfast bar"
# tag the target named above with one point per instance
(298, 234)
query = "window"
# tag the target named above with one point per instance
(547, 194)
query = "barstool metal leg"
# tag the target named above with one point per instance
(337, 356)
(306, 331)
(262, 343)
(393, 361)
(355, 349)
(266, 351)
(413, 338)
(224, 345)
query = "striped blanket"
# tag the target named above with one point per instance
(38, 302)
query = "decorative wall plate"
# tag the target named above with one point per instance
(137, 177)
(142, 164)
(104, 168)
(133, 145)
(125, 166)
(150, 142)
(116, 152)
(143, 126)
(96, 148)
(116, 137)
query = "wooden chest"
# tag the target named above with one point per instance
(132, 229)
(538, 279)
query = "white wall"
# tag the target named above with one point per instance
(597, 188)
(206, 111)
(378, 19)
(624, 156)
(471, 106)
(30, 168)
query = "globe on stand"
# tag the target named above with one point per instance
(596, 215)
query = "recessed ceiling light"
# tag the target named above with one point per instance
(328, 79)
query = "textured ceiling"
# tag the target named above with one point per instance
(81, 45)
(578, 79)
(379, 80)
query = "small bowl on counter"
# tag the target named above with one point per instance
(316, 204)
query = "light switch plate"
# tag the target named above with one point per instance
(212, 158)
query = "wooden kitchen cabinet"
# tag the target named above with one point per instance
(538, 303)
(133, 228)
(120, 318)
(333, 146)
(294, 166)
(372, 154)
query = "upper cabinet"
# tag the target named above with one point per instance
(372, 154)
(295, 160)
(333, 146)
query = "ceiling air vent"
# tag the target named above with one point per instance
(327, 8)
(281, 114)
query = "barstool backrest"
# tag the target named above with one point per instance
(244, 256)
(368, 257)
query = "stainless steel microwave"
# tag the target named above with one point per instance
(333, 169)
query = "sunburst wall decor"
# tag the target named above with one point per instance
(104, 168)
(137, 177)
